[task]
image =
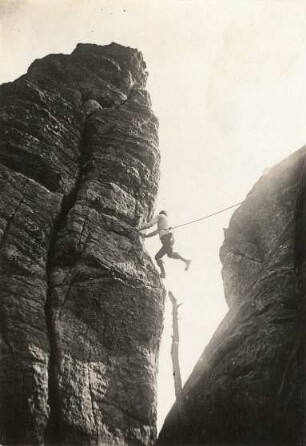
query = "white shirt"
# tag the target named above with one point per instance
(162, 224)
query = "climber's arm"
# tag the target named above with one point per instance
(151, 234)
(150, 224)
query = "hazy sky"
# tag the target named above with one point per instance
(227, 84)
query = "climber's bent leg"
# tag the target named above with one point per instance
(159, 261)
(176, 255)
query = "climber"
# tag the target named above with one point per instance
(167, 239)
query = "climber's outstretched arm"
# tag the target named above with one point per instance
(151, 234)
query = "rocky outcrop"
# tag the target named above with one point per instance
(81, 302)
(247, 386)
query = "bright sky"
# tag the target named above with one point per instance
(227, 84)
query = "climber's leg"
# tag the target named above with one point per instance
(159, 261)
(175, 255)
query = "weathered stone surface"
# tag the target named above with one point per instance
(247, 386)
(81, 302)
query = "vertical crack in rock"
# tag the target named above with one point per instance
(53, 432)
(249, 384)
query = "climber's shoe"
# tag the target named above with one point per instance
(187, 265)
(162, 275)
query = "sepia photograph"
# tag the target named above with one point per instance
(152, 222)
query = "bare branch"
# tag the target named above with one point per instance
(175, 357)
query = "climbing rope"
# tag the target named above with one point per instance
(206, 216)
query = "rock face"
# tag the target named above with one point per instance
(247, 386)
(81, 302)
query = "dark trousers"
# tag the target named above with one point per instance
(167, 248)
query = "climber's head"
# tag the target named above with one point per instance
(164, 213)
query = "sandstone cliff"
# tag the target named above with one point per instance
(81, 302)
(247, 386)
